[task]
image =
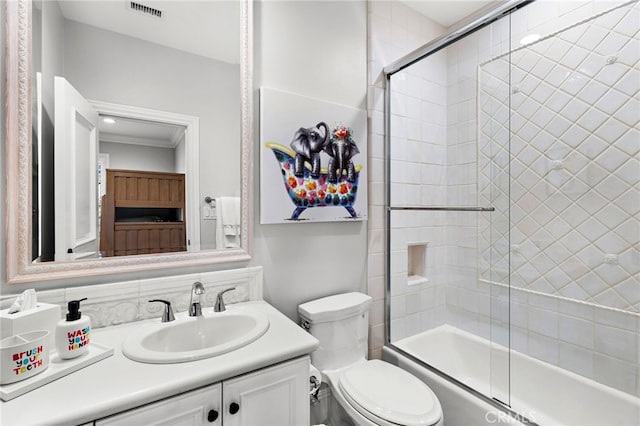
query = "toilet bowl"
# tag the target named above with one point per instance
(378, 393)
(371, 392)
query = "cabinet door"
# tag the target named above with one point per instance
(199, 407)
(274, 396)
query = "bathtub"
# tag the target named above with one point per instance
(539, 392)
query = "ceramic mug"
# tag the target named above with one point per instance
(23, 356)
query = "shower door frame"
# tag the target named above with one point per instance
(477, 21)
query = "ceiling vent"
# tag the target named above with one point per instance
(141, 8)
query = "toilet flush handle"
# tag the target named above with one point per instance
(305, 324)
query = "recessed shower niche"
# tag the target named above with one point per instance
(417, 263)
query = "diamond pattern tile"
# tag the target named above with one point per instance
(575, 178)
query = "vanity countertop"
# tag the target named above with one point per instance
(117, 383)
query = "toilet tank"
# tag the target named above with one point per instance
(341, 325)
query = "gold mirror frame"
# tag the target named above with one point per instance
(18, 122)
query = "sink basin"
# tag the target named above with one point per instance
(193, 338)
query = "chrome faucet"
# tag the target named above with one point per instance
(219, 306)
(195, 307)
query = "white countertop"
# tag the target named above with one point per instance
(117, 383)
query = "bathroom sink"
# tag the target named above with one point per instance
(193, 338)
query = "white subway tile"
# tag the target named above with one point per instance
(576, 359)
(615, 373)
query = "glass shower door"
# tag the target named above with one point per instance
(448, 212)
(575, 206)
(494, 137)
(513, 206)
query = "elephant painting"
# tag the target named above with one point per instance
(341, 149)
(308, 192)
(308, 143)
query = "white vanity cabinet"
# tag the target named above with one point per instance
(276, 395)
(265, 382)
(199, 407)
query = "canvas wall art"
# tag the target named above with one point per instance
(313, 157)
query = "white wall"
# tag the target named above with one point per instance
(3, 184)
(139, 157)
(180, 153)
(315, 49)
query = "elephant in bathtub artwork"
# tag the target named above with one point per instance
(308, 143)
(341, 149)
(310, 185)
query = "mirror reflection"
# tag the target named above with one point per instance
(141, 187)
(136, 139)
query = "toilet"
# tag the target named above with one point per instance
(371, 392)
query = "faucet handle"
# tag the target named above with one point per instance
(167, 315)
(219, 306)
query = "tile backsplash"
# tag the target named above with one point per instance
(123, 302)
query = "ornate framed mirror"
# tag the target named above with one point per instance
(24, 262)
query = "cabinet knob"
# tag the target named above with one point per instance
(234, 408)
(212, 416)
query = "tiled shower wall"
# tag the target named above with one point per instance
(574, 166)
(586, 338)
(434, 163)
(393, 31)
(573, 232)
(419, 176)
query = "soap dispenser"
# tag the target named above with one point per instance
(72, 334)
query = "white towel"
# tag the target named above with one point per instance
(227, 222)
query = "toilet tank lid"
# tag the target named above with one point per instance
(333, 308)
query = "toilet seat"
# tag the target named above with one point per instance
(381, 391)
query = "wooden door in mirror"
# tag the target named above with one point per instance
(143, 213)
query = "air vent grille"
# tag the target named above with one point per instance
(138, 7)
